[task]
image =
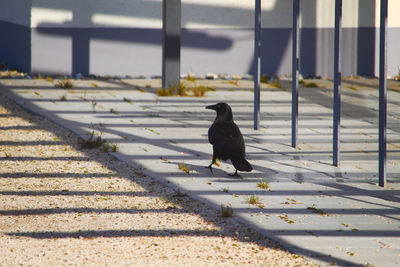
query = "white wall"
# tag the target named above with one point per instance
(228, 22)
(97, 13)
(196, 13)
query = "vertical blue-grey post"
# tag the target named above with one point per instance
(337, 82)
(382, 92)
(171, 45)
(295, 71)
(257, 62)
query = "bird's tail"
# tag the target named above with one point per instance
(242, 165)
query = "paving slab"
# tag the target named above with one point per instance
(329, 214)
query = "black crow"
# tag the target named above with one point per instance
(227, 140)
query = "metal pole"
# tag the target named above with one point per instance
(171, 46)
(382, 92)
(337, 83)
(257, 62)
(295, 71)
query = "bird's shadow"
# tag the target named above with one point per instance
(202, 171)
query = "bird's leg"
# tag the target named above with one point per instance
(213, 161)
(234, 174)
(210, 167)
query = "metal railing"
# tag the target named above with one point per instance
(171, 70)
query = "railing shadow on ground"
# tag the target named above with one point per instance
(182, 122)
(341, 190)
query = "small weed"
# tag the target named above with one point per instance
(109, 147)
(319, 211)
(63, 98)
(153, 131)
(114, 111)
(123, 137)
(184, 167)
(128, 100)
(92, 141)
(233, 82)
(179, 193)
(165, 160)
(276, 84)
(263, 184)
(353, 77)
(198, 90)
(177, 89)
(285, 217)
(291, 201)
(64, 84)
(141, 173)
(182, 90)
(264, 78)
(350, 253)
(84, 95)
(383, 244)
(94, 103)
(309, 84)
(95, 85)
(397, 77)
(190, 79)
(226, 210)
(114, 147)
(253, 199)
(166, 92)
(154, 115)
(352, 87)
(49, 79)
(225, 190)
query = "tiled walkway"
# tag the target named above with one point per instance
(330, 214)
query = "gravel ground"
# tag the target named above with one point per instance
(61, 205)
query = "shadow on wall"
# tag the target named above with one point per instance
(100, 49)
(86, 41)
(15, 44)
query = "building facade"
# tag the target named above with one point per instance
(124, 37)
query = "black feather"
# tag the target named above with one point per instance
(226, 138)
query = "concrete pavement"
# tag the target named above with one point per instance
(329, 214)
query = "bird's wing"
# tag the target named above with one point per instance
(227, 137)
(212, 132)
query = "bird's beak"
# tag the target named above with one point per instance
(213, 107)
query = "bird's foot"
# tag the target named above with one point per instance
(209, 167)
(234, 174)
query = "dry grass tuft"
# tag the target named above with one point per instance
(184, 167)
(64, 84)
(226, 210)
